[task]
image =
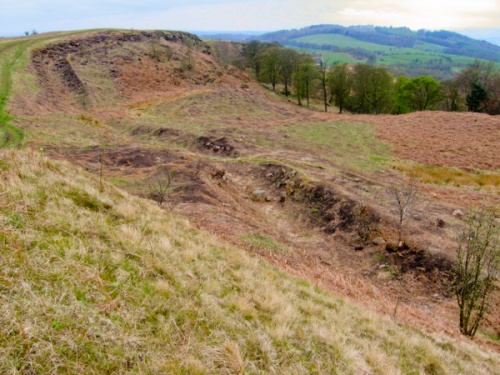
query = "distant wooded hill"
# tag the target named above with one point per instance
(404, 51)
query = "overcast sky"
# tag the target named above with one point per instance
(232, 15)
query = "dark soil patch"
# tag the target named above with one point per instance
(336, 212)
(135, 158)
(166, 133)
(326, 207)
(415, 259)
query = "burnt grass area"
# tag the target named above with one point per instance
(158, 132)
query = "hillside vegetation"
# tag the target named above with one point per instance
(263, 256)
(436, 53)
(101, 282)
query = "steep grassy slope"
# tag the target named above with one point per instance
(102, 282)
(132, 105)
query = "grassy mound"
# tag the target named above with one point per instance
(104, 282)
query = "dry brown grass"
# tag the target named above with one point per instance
(488, 181)
(463, 140)
(96, 282)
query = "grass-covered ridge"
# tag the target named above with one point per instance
(9, 55)
(102, 282)
(14, 57)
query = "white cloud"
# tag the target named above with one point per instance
(48, 15)
(432, 14)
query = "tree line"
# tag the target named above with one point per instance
(365, 88)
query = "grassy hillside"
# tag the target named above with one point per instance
(101, 282)
(94, 279)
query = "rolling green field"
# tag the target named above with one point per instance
(421, 54)
(343, 41)
(330, 57)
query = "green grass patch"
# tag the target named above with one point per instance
(343, 41)
(406, 56)
(330, 57)
(353, 145)
(494, 337)
(261, 241)
(429, 47)
(14, 57)
(10, 136)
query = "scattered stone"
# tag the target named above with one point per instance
(392, 246)
(222, 145)
(417, 217)
(326, 262)
(258, 195)
(458, 213)
(379, 241)
(440, 223)
(219, 174)
(283, 197)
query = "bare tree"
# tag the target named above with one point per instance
(404, 197)
(477, 268)
(101, 172)
(340, 82)
(324, 84)
(159, 186)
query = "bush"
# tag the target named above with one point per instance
(477, 268)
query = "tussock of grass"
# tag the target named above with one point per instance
(449, 176)
(104, 282)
